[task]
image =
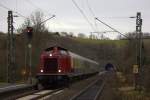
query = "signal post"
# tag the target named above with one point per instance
(29, 33)
(137, 68)
(11, 61)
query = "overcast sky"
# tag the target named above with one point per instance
(69, 19)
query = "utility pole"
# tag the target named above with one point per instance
(139, 33)
(139, 42)
(11, 50)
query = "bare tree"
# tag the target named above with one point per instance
(26, 23)
(35, 20)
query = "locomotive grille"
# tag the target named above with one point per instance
(50, 65)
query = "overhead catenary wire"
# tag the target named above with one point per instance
(85, 17)
(52, 15)
(32, 4)
(93, 14)
(3, 6)
(16, 6)
(49, 14)
(111, 27)
(90, 9)
(47, 19)
(118, 17)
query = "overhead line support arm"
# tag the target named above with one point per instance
(111, 27)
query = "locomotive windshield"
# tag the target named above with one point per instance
(50, 64)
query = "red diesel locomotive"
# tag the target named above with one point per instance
(58, 65)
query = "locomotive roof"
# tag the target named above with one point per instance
(51, 48)
(71, 54)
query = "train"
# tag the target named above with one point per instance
(59, 65)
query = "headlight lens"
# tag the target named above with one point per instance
(50, 54)
(41, 70)
(59, 70)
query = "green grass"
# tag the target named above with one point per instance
(95, 41)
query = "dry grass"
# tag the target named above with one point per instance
(128, 92)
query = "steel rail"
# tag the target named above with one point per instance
(99, 93)
(86, 93)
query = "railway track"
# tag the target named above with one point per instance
(29, 93)
(26, 93)
(91, 92)
(39, 95)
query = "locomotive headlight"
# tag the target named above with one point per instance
(50, 54)
(59, 70)
(41, 70)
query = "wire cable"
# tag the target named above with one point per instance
(16, 6)
(111, 28)
(90, 9)
(47, 20)
(81, 11)
(32, 4)
(93, 14)
(3, 6)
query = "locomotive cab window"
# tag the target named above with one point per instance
(50, 64)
